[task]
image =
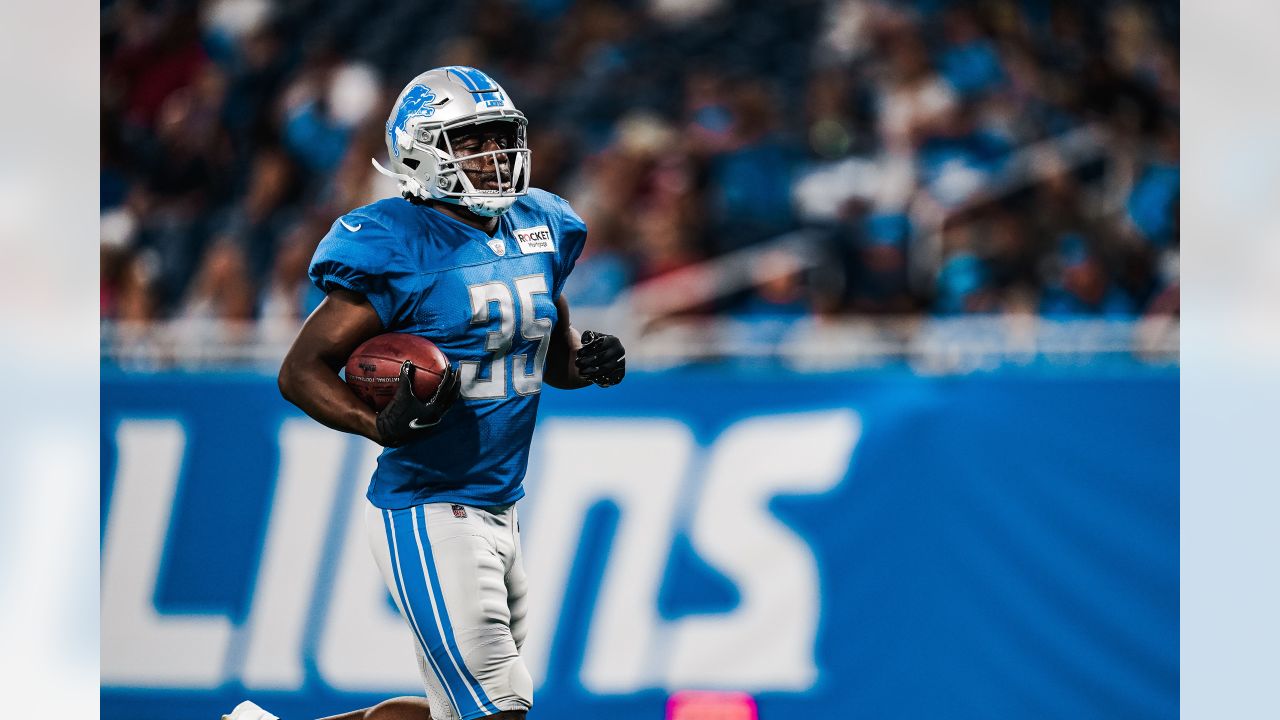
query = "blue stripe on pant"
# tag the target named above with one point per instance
(418, 584)
(394, 542)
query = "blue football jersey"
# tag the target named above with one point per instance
(489, 304)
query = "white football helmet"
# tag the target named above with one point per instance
(433, 111)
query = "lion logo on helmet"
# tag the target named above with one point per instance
(416, 102)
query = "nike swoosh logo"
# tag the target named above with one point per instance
(413, 425)
(352, 228)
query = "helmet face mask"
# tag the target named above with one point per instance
(454, 136)
(478, 173)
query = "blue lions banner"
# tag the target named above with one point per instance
(877, 545)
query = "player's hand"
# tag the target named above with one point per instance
(406, 418)
(602, 359)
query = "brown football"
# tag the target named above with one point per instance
(373, 370)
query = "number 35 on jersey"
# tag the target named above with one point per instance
(523, 306)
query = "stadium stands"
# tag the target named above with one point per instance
(1011, 156)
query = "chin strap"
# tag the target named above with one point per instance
(409, 185)
(488, 207)
(478, 204)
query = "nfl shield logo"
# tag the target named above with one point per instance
(498, 246)
(459, 511)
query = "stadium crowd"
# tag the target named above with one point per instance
(951, 157)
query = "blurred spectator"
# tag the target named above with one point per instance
(1167, 301)
(258, 216)
(1011, 253)
(780, 288)
(132, 297)
(324, 106)
(964, 282)
(598, 278)
(708, 117)
(155, 53)
(956, 167)
(636, 198)
(881, 282)
(751, 178)
(190, 162)
(221, 289)
(555, 159)
(1153, 204)
(915, 103)
(257, 75)
(118, 230)
(288, 295)
(113, 164)
(1078, 283)
(969, 62)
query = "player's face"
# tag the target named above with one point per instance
(485, 171)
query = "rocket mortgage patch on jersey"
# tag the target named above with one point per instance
(535, 240)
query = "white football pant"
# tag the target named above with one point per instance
(457, 575)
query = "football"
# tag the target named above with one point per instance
(373, 370)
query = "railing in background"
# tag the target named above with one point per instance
(928, 345)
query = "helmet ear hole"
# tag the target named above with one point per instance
(412, 163)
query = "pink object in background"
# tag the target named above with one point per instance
(711, 705)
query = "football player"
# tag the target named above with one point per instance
(475, 260)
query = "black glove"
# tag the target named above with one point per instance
(602, 359)
(407, 418)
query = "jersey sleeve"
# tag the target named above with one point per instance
(573, 237)
(363, 256)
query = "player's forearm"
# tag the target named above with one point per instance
(561, 372)
(568, 380)
(318, 391)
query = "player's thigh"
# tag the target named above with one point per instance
(517, 586)
(449, 581)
